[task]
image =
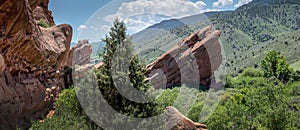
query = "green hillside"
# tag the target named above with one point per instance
(248, 33)
(253, 29)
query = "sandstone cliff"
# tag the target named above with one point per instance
(192, 61)
(32, 61)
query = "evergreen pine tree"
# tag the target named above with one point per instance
(119, 63)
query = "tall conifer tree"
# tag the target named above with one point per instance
(119, 63)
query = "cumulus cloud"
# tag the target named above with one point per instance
(222, 3)
(175, 8)
(82, 27)
(139, 14)
(242, 2)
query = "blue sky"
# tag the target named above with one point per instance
(91, 19)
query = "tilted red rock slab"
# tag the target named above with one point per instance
(192, 61)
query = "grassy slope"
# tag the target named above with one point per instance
(252, 30)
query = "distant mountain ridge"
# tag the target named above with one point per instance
(145, 39)
(163, 26)
(274, 1)
(173, 23)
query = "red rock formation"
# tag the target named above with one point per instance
(177, 65)
(182, 122)
(81, 53)
(32, 61)
(41, 12)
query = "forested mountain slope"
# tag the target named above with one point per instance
(247, 33)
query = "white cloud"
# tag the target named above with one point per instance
(105, 27)
(242, 2)
(175, 8)
(140, 14)
(222, 3)
(212, 10)
(82, 27)
(95, 28)
(110, 18)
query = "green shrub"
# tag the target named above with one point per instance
(67, 102)
(68, 115)
(295, 76)
(194, 112)
(253, 108)
(228, 82)
(249, 72)
(276, 65)
(43, 23)
(167, 98)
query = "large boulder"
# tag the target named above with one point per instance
(173, 116)
(32, 61)
(192, 61)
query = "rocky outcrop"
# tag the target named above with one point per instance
(173, 116)
(81, 71)
(32, 61)
(41, 12)
(81, 53)
(192, 61)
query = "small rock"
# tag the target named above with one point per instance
(48, 90)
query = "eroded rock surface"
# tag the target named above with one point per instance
(81, 53)
(182, 123)
(32, 61)
(190, 62)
